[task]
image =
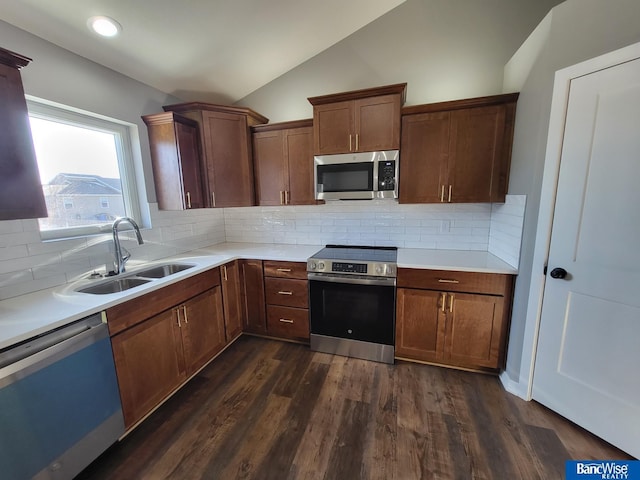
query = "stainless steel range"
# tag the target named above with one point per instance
(352, 301)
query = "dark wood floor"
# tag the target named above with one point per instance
(272, 410)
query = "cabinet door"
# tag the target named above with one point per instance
(333, 128)
(270, 167)
(232, 300)
(253, 299)
(21, 193)
(476, 150)
(202, 326)
(298, 148)
(149, 364)
(377, 123)
(474, 332)
(424, 157)
(190, 164)
(175, 157)
(228, 160)
(420, 325)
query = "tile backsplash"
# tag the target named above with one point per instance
(27, 264)
(375, 222)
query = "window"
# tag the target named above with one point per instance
(86, 170)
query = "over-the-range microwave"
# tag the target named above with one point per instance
(357, 176)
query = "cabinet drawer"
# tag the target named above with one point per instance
(285, 269)
(452, 281)
(287, 322)
(287, 292)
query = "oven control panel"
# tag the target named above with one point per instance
(371, 269)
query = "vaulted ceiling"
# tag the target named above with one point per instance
(212, 50)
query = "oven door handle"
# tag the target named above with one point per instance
(328, 277)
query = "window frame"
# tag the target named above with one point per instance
(123, 136)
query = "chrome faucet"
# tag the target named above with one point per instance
(121, 253)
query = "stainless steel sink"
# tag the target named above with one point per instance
(114, 285)
(162, 271)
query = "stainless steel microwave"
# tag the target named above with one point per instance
(356, 176)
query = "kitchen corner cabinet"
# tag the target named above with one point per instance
(287, 298)
(231, 299)
(283, 163)
(253, 302)
(458, 319)
(226, 151)
(21, 193)
(163, 338)
(175, 155)
(358, 121)
(458, 151)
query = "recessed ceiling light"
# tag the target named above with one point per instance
(105, 26)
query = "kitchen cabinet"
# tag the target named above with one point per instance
(457, 152)
(226, 151)
(231, 299)
(163, 338)
(283, 162)
(21, 193)
(175, 157)
(287, 299)
(358, 121)
(458, 319)
(253, 302)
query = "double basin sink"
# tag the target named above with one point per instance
(120, 284)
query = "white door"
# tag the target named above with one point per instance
(588, 359)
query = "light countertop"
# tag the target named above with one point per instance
(29, 315)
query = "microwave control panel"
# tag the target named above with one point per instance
(387, 175)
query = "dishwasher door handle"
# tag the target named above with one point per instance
(47, 356)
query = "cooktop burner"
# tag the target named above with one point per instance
(355, 259)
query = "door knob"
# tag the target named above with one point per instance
(558, 273)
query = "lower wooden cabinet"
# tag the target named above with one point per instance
(149, 364)
(287, 298)
(453, 327)
(162, 338)
(253, 306)
(231, 299)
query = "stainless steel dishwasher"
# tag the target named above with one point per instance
(59, 402)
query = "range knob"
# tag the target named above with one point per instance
(320, 265)
(312, 265)
(379, 269)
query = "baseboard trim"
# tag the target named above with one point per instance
(514, 387)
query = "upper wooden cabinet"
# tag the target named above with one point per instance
(458, 151)
(226, 147)
(358, 121)
(20, 189)
(175, 155)
(283, 163)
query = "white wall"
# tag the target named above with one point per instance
(28, 264)
(443, 49)
(579, 30)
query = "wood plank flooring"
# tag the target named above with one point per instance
(272, 410)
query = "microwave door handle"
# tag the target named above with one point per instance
(375, 177)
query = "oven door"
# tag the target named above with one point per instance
(352, 307)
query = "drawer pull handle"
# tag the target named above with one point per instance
(283, 270)
(444, 280)
(286, 320)
(282, 292)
